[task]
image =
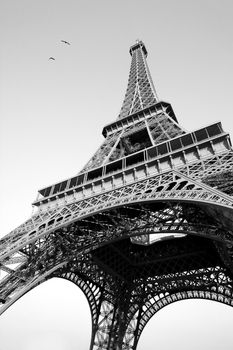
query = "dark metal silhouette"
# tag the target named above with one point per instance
(147, 222)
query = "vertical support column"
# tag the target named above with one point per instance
(112, 322)
(100, 330)
(109, 330)
(132, 333)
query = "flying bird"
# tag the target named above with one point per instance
(65, 42)
(52, 58)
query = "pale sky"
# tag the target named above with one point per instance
(51, 118)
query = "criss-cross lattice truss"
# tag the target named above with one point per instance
(140, 92)
(148, 221)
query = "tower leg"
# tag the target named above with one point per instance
(109, 332)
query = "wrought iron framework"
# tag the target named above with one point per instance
(147, 222)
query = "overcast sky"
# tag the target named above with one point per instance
(52, 114)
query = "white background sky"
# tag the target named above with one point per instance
(51, 117)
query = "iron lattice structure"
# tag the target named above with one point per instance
(147, 222)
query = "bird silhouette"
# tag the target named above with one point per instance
(65, 42)
(52, 58)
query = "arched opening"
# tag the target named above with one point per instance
(189, 324)
(53, 316)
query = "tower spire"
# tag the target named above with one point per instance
(140, 91)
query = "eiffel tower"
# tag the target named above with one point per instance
(146, 222)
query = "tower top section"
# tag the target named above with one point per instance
(140, 92)
(139, 44)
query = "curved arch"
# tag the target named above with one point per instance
(106, 207)
(90, 290)
(141, 191)
(57, 306)
(223, 295)
(125, 227)
(27, 288)
(103, 235)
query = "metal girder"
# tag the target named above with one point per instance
(114, 234)
(168, 186)
(126, 306)
(79, 238)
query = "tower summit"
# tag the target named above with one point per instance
(140, 92)
(139, 45)
(148, 221)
